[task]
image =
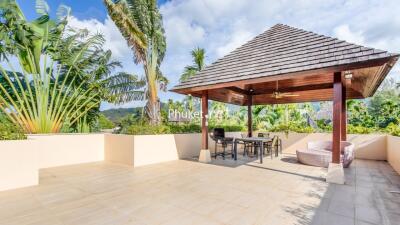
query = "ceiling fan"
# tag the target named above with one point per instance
(277, 95)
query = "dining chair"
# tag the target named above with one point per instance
(279, 143)
(218, 135)
(247, 146)
(273, 145)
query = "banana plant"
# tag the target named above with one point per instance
(59, 84)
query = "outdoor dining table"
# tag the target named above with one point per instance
(259, 140)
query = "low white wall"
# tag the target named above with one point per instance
(20, 160)
(150, 149)
(393, 152)
(142, 150)
(119, 148)
(18, 164)
(66, 149)
(367, 146)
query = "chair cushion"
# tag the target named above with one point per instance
(317, 153)
(320, 158)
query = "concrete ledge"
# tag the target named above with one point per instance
(335, 173)
(119, 149)
(68, 149)
(18, 164)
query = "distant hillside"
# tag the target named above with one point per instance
(115, 115)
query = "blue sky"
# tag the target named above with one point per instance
(220, 26)
(82, 9)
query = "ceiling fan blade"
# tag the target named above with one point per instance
(289, 95)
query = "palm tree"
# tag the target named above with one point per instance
(140, 23)
(198, 56)
(62, 78)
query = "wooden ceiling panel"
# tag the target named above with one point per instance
(303, 96)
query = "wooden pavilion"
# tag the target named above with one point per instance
(290, 65)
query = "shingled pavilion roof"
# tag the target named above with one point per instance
(301, 61)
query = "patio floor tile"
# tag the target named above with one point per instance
(226, 192)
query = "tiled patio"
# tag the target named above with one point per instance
(186, 192)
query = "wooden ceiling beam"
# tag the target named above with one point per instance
(238, 90)
(296, 89)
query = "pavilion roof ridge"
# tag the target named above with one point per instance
(284, 49)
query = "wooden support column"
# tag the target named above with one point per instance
(344, 112)
(204, 120)
(337, 116)
(249, 116)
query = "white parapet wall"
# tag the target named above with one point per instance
(67, 149)
(18, 164)
(20, 161)
(141, 150)
(393, 152)
(119, 148)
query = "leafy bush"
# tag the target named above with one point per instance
(8, 131)
(105, 123)
(396, 132)
(145, 129)
(393, 129)
(184, 128)
(351, 129)
(230, 128)
(292, 127)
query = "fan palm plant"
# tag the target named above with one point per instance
(198, 56)
(64, 80)
(140, 23)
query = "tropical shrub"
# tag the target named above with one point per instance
(292, 127)
(147, 129)
(9, 131)
(393, 130)
(351, 129)
(231, 128)
(184, 128)
(105, 123)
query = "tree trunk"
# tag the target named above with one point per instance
(153, 107)
(153, 110)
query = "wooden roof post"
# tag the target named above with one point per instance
(249, 116)
(337, 116)
(204, 120)
(205, 154)
(344, 112)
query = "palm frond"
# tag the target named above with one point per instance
(63, 12)
(124, 87)
(42, 8)
(120, 14)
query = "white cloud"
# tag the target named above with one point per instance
(237, 39)
(114, 39)
(223, 25)
(343, 32)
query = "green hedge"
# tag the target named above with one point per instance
(393, 130)
(297, 128)
(146, 129)
(359, 129)
(9, 131)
